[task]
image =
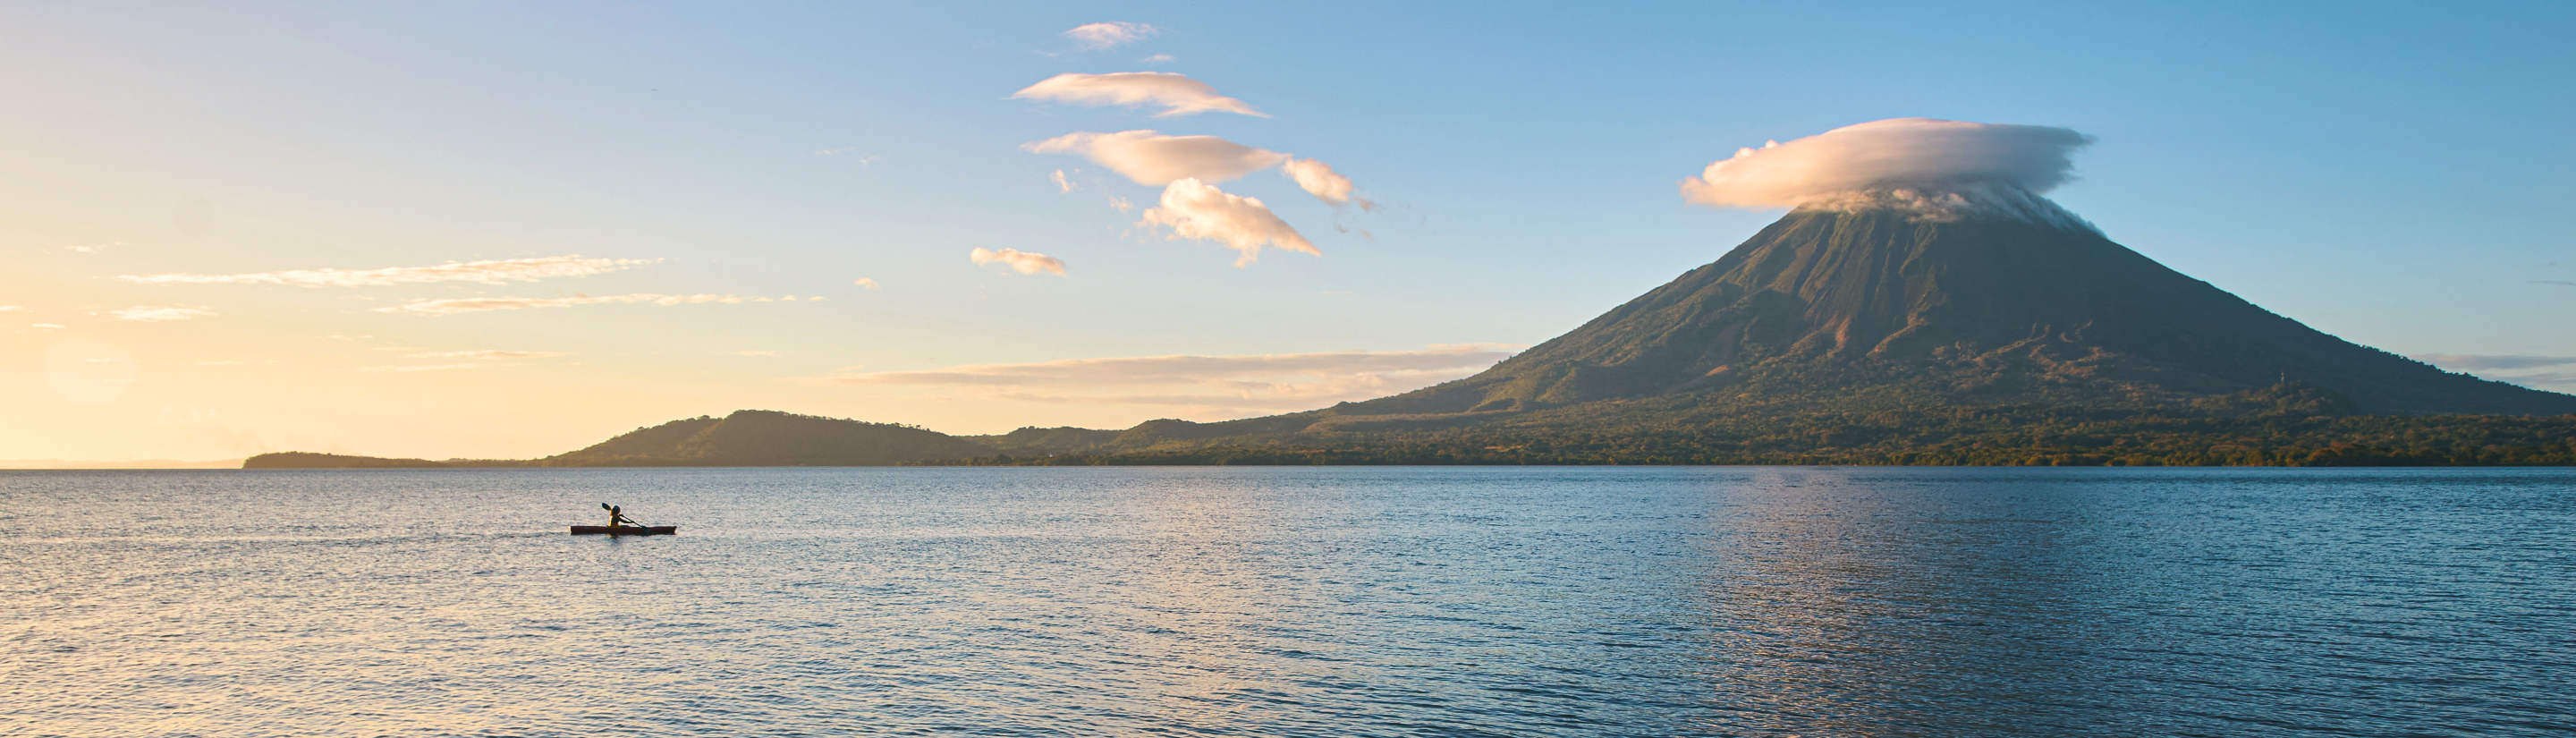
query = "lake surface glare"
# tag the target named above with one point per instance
(1291, 602)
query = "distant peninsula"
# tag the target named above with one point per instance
(1985, 327)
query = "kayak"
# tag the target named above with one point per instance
(626, 530)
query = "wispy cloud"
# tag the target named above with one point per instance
(452, 306)
(2559, 282)
(47, 326)
(418, 368)
(10, 308)
(1196, 210)
(489, 271)
(1025, 262)
(1109, 34)
(1151, 158)
(2476, 362)
(486, 354)
(1156, 59)
(2543, 372)
(852, 153)
(1176, 94)
(863, 283)
(159, 313)
(756, 353)
(1061, 183)
(1221, 383)
(1319, 179)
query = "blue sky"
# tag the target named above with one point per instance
(2394, 174)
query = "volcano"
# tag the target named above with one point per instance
(1965, 296)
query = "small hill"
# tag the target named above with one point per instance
(770, 438)
(745, 438)
(308, 460)
(1040, 441)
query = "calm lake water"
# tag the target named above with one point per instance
(1291, 602)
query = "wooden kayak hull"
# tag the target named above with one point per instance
(625, 530)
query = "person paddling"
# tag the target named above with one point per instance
(617, 516)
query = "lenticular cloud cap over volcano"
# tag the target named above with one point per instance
(1915, 154)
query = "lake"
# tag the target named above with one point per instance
(1291, 602)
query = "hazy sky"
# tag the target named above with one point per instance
(508, 230)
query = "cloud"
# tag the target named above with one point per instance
(1061, 183)
(159, 314)
(46, 326)
(10, 308)
(418, 368)
(1151, 158)
(1176, 94)
(1258, 382)
(856, 154)
(487, 354)
(1920, 153)
(1109, 34)
(1156, 59)
(1025, 262)
(490, 271)
(1121, 203)
(454, 306)
(1197, 210)
(2559, 282)
(862, 282)
(2475, 362)
(1319, 179)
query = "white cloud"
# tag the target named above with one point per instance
(1121, 203)
(1917, 153)
(2474, 362)
(857, 156)
(1197, 210)
(1151, 158)
(159, 314)
(10, 308)
(1025, 262)
(862, 282)
(1319, 179)
(489, 271)
(486, 354)
(452, 306)
(1157, 59)
(1109, 34)
(2543, 372)
(1061, 183)
(1176, 94)
(1258, 382)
